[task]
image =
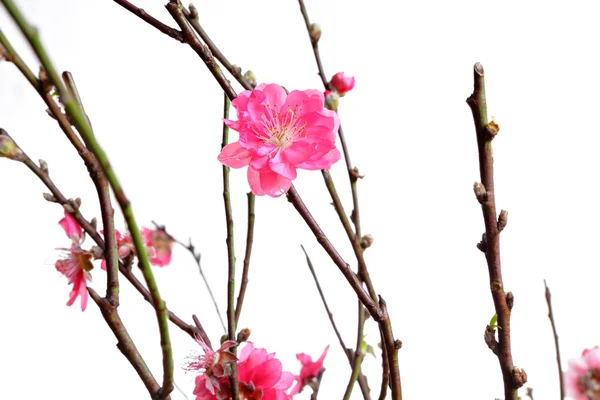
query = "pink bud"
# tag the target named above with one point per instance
(342, 84)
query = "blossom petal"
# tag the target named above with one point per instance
(71, 227)
(235, 156)
(282, 166)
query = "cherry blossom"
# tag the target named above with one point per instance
(76, 263)
(280, 133)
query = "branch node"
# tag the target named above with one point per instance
(397, 344)
(489, 337)
(502, 220)
(496, 286)
(491, 130)
(480, 193)
(355, 174)
(519, 377)
(49, 197)
(482, 245)
(43, 166)
(510, 300)
(366, 241)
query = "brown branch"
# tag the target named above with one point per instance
(125, 343)
(90, 229)
(315, 45)
(175, 9)
(485, 192)
(236, 72)
(140, 12)
(248, 254)
(353, 174)
(554, 332)
(372, 307)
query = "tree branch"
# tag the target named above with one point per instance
(513, 377)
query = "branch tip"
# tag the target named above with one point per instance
(478, 68)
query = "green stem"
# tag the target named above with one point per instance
(80, 122)
(231, 322)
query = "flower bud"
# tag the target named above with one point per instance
(8, 148)
(315, 33)
(341, 84)
(243, 335)
(366, 241)
(331, 100)
(43, 166)
(250, 77)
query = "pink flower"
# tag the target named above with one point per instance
(310, 370)
(582, 380)
(280, 133)
(342, 84)
(259, 372)
(260, 375)
(159, 246)
(124, 247)
(76, 263)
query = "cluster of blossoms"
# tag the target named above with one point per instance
(260, 374)
(582, 380)
(280, 133)
(76, 263)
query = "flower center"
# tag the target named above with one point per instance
(589, 384)
(282, 129)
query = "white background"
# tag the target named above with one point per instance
(156, 110)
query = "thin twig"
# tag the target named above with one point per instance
(175, 9)
(352, 171)
(354, 361)
(93, 233)
(554, 332)
(80, 121)
(231, 324)
(197, 257)
(513, 377)
(236, 72)
(125, 343)
(248, 254)
(322, 295)
(372, 307)
(140, 12)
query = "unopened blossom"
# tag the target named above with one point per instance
(309, 371)
(342, 84)
(159, 246)
(280, 133)
(582, 379)
(76, 263)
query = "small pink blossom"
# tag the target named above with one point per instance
(582, 379)
(124, 247)
(310, 370)
(280, 133)
(159, 246)
(76, 263)
(341, 84)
